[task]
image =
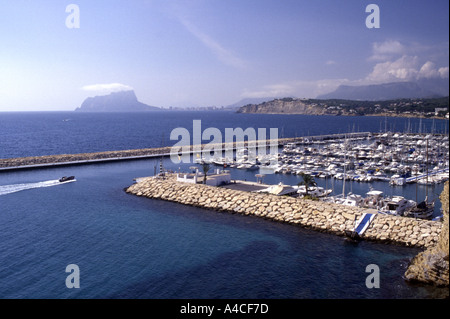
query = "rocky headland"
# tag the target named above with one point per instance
(432, 265)
(123, 101)
(285, 106)
(430, 108)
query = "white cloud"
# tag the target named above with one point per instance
(429, 70)
(392, 62)
(402, 69)
(272, 90)
(302, 89)
(107, 88)
(386, 50)
(405, 68)
(443, 72)
(400, 62)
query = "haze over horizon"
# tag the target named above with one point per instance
(212, 52)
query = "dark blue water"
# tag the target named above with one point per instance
(132, 247)
(48, 133)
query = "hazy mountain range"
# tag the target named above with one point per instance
(389, 91)
(126, 101)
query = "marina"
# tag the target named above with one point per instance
(391, 158)
(176, 242)
(205, 155)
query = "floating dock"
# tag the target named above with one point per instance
(423, 176)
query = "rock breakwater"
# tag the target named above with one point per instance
(84, 158)
(432, 265)
(325, 217)
(49, 160)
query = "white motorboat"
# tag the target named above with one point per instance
(313, 191)
(397, 205)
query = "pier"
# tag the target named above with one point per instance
(34, 162)
(424, 176)
(58, 161)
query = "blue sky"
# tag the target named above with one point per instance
(212, 52)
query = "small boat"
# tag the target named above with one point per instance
(397, 205)
(348, 200)
(439, 218)
(314, 191)
(66, 179)
(423, 210)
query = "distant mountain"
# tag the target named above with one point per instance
(247, 101)
(379, 92)
(438, 85)
(124, 101)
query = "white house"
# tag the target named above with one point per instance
(217, 178)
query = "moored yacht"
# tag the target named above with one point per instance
(397, 205)
(313, 191)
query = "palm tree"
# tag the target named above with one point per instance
(307, 181)
(205, 168)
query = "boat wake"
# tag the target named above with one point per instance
(8, 189)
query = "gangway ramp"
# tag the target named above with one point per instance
(362, 223)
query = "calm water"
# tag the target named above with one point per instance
(47, 133)
(132, 247)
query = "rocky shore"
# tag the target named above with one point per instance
(325, 217)
(432, 265)
(415, 107)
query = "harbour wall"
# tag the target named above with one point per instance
(32, 162)
(325, 217)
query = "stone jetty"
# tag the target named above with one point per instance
(324, 217)
(81, 158)
(96, 157)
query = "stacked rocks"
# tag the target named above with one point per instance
(316, 215)
(432, 265)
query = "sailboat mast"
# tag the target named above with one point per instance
(426, 188)
(345, 157)
(161, 166)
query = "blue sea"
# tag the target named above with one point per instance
(130, 247)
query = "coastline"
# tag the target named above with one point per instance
(356, 115)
